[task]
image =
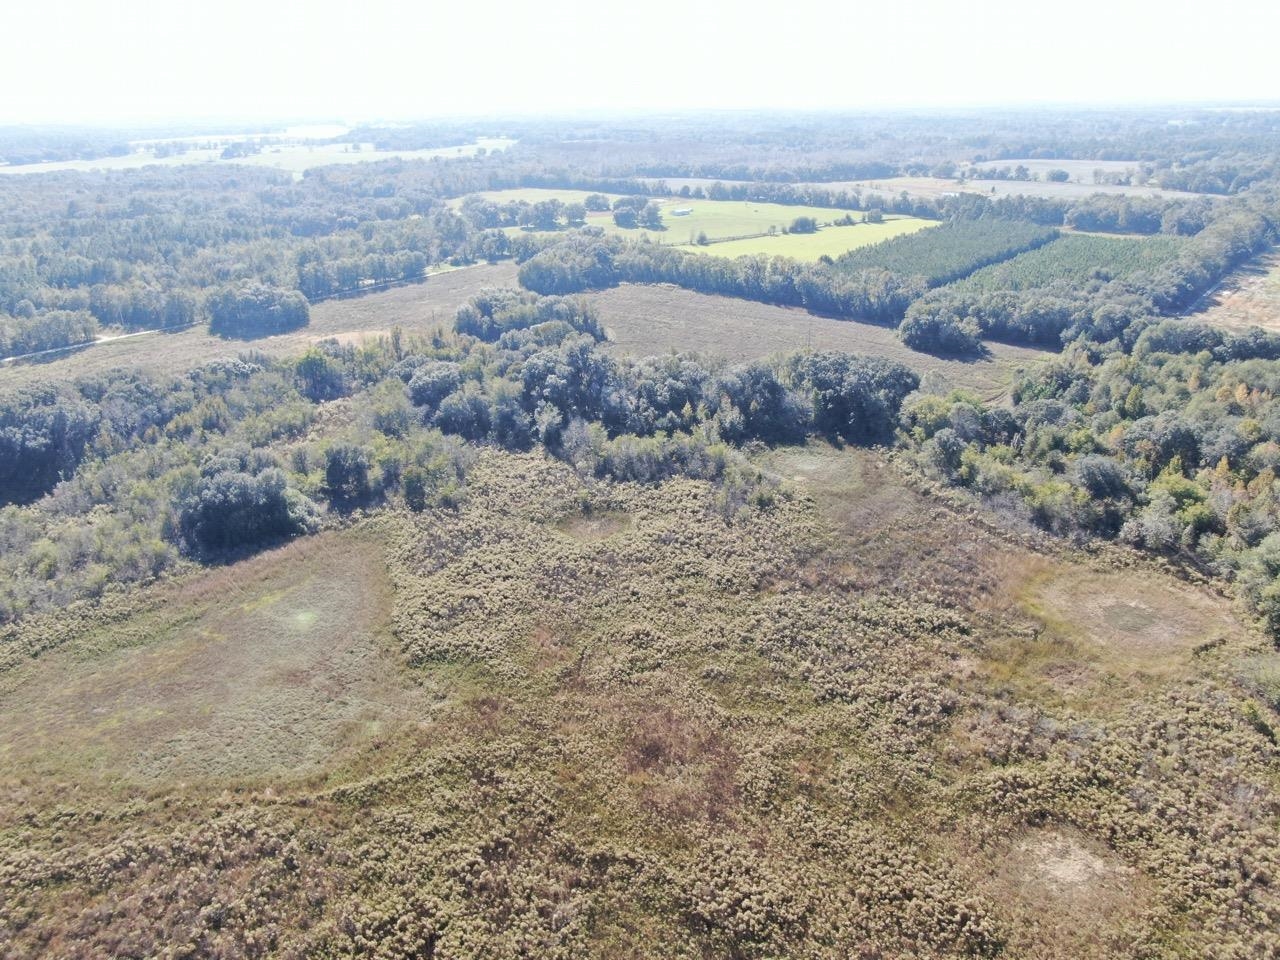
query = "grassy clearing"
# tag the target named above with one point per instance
(645, 320)
(266, 668)
(732, 218)
(1078, 627)
(1250, 297)
(829, 241)
(416, 308)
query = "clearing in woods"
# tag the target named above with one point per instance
(644, 320)
(416, 308)
(829, 241)
(932, 187)
(719, 219)
(269, 667)
(1250, 297)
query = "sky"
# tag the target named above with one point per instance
(144, 61)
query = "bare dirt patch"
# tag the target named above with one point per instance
(1250, 297)
(265, 668)
(597, 525)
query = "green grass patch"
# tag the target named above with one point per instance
(829, 241)
(758, 227)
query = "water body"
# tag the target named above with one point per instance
(294, 156)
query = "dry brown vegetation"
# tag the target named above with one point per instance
(860, 722)
(644, 320)
(415, 308)
(1249, 297)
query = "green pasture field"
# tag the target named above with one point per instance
(720, 219)
(829, 241)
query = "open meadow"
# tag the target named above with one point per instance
(414, 307)
(722, 220)
(696, 597)
(267, 668)
(644, 320)
(827, 242)
(641, 320)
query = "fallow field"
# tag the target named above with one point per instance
(415, 308)
(1250, 297)
(644, 320)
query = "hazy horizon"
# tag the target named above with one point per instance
(149, 62)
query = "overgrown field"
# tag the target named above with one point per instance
(855, 722)
(1074, 259)
(265, 669)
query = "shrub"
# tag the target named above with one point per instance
(939, 332)
(432, 382)
(230, 509)
(346, 474)
(256, 310)
(854, 398)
